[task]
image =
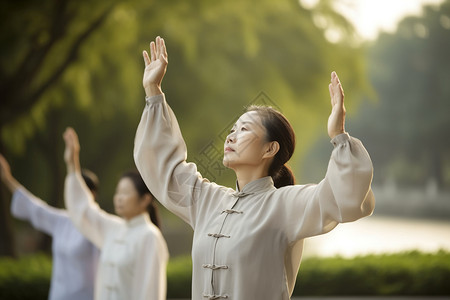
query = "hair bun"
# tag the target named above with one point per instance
(283, 177)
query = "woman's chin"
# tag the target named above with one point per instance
(227, 163)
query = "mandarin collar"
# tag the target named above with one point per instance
(256, 186)
(138, 220)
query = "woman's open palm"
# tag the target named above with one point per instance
(155, 65)
(72, 150)
(336, 121)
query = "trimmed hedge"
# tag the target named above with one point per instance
(25, 278)
(179, 277)
(406, 274)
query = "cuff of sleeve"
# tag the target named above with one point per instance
(154, 99)
(340, 139)
(14, 203)
(17, 202)
(20, 192)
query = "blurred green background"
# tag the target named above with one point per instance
(79, 63)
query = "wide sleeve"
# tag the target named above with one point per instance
(85, 213)
(160, 156)
(25, 206)
(150, 269)
(344, 195)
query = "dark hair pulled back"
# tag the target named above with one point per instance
(142, 190)
(91, 180)
(280, 130)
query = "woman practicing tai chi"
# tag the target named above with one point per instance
(248, 242)
(133, 251)
(74, 258)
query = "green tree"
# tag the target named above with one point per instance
(221, 56)
(406, 128)
(229, 52)
(41, 72)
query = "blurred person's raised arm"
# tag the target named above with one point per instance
(84, 212)
(26, 206)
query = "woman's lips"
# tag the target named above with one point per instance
(228, 149)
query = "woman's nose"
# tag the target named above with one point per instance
(230, 138)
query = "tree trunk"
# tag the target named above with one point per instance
(50, 145)
(7, 247)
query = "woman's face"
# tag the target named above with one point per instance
(246, 143)
(127, 202)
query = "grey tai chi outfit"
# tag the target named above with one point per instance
(248, 244)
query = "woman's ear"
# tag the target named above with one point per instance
(272, 149)
(146, 200)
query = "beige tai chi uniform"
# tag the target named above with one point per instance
(134, 253)
(248, 244)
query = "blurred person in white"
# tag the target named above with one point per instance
(248, 242)
(134, 253)
(74, 258)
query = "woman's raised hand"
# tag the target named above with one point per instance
(336, 121)
(6, 176)
(155, 67)
(72, 151)
(5, 170)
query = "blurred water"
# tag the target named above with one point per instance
(365, 298)
(375, 234)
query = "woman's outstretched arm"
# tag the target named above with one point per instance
(159, 148)
(84, 212)
(345, 194)
(25, 206)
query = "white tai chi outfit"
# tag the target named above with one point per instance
(74, 257)
(248, 244)
(134, 253)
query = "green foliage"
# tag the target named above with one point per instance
(222, 54)
(25, 278)
(402, 274)
(40, 42)
(179, 277)
(404, 130)
(410, 273)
